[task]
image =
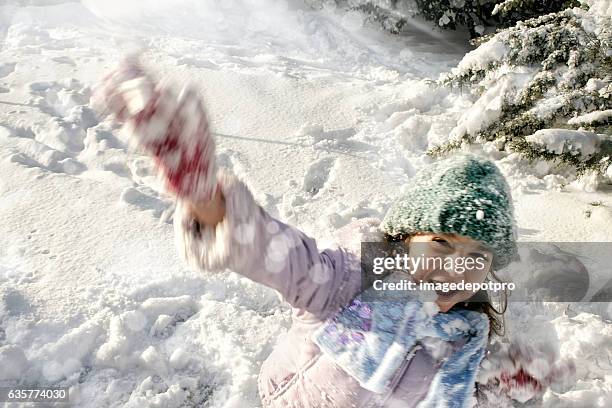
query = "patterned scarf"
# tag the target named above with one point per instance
(370, 340)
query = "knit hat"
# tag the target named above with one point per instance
(464, 194)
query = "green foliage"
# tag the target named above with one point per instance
(475, 15)
(572, 76)
(388, 17)
(568, 68)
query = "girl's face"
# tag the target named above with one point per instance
(457, 258)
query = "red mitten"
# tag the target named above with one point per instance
(172, 128)
(523, 372)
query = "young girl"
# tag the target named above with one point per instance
(341, 351)
(232, 232)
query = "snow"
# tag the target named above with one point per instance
(599, 11)
(596, 116)
(325, 119)
(488, 108)
(563, 141)
(481, 57)
(14, 362)
(601, 8)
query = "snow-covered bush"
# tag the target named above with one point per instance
(552, 72)
(475, 15)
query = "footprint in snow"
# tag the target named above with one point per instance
(67, 165)
(66, 103)
(142, 169)
(99, 138)
(317, 175)
(59, 98)
(32, 153)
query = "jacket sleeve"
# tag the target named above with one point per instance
(252, 243)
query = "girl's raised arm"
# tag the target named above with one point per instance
(233, 232)
(217, 222)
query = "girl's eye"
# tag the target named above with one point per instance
(441, 241)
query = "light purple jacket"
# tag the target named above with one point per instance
(315, 283)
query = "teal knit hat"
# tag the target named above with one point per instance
(464, 194)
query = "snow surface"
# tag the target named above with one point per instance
(326, 120)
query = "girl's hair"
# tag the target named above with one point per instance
(480, 302)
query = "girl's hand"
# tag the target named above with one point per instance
(172, 128)
(523, 372)
(208, 212)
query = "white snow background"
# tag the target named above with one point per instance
(324, 118)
